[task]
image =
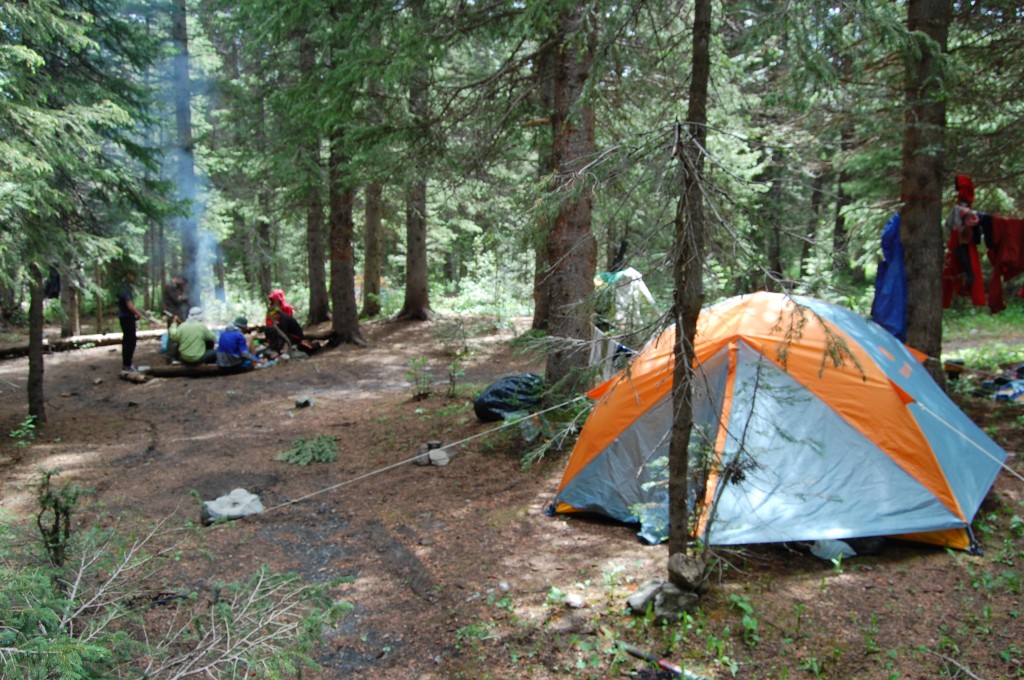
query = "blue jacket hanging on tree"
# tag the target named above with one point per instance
(889, 308)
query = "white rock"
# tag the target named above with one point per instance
(238, 503)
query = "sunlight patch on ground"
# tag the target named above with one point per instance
(19, 488)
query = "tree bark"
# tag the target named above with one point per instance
(841, 262)
(341, 197)
(813, 219)
(571, 248)
(264, 247)
(71, 324)
(773, 222)
(319, 309)
(372, 252)
(36, 401)
(921, 178)
(417, 290)
(545, 76)
(689, 275)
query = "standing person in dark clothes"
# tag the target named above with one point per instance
(128, 316)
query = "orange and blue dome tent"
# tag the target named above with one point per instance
(810, 423)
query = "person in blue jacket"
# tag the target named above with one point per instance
(233, 352)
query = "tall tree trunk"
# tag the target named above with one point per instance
(813, 219)
(98, 280)
(417, 296)
(184, 153)
(264, 246)
(921, 177)
(841, 264)
(545, 75)
(261, 247)
(773, 220)
(319, 309)
(36, 402)
(372, 251)
(572, 251)
(71, 324)
(417, 291)
(341, 197)
(689, 275)
(250, 250)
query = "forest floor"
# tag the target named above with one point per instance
(456, 571)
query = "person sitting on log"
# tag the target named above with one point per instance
(281, 331)
(285, 335)
(233, 351)
(195, 341)
(276, 301)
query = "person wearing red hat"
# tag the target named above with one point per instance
(964, 190)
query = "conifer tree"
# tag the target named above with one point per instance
(75, 169)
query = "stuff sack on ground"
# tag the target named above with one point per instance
(507, 395)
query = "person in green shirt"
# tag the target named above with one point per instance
(195, 341)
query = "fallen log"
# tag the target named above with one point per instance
(76, 342)
(183, 371)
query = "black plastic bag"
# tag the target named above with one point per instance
(508, 395)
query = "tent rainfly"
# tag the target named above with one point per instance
(810, 423)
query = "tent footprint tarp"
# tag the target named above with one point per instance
(810, 423)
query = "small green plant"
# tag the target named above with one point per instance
(718, 647)
(812, 665)
(56, 506)
(25, 433)
(556, 595)
(871, 645)
(419, 377)
(798, 611)
(455, 373)
(473, 633)
(750, 624)
(322, 449)
(590, 654)
(503, 602)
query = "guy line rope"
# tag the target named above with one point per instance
(447, 447)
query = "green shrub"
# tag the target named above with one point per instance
(322, 449)
(419, 378)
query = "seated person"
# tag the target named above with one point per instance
(276, 301)
(194, 340)
(284, 333)
(233, 352)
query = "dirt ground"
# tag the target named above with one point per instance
(456, 571)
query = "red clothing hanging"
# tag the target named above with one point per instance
(1006, 253)
(953, 274)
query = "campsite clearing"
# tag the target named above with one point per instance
(456, 571)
